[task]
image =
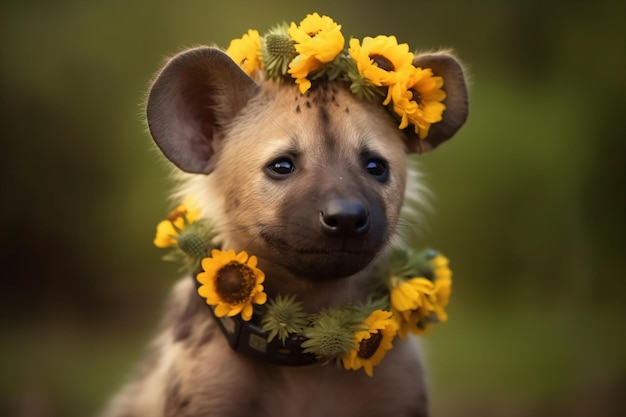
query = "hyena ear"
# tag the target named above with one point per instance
(444, 65)
(195, 94)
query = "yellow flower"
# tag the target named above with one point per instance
(246, 51)
(372, 343)
(318, 40)
(300, 68)
(410, 302)
(443, 285)
(418, 302)
(381, 60)
(231, 282)
(317, 36)
(417, 98)
(178, 219)
(411, 294)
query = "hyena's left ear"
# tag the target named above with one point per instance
(192, 98)
(444, 65)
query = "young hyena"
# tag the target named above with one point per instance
(313, 185)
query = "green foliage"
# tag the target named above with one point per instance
(332, 334)
(283, 316)
(193, 243)
(277, 50)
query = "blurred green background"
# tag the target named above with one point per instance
(529, 196)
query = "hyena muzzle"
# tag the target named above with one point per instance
(311, 184)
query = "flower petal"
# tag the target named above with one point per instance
(221, 310)
(165, 234)
(401, 302)
(260, 298)
(234, 310)
(246, 313)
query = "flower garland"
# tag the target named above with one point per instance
(410, 296)
(374, 67)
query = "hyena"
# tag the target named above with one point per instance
(312, 184)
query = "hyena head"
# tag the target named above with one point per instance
(311, 184)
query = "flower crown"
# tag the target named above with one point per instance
(373, 67)
(409, 295)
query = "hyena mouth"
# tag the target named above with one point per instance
(322, 263)
(328, 265)
(329, 251)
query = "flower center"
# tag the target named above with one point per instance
(234, 282)
(368, 347)
(382, 62)
(416, 96)
(192, 244)
(176, 214)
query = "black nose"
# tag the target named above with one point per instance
(344, 217)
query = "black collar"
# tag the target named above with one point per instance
(248, 337)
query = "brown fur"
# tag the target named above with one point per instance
(208, 117)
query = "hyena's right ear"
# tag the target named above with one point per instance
(195, 94)
(447, 66)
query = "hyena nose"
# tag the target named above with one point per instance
(343, 217)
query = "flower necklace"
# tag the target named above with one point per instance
(410, 297)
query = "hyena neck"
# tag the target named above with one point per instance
(318, 295)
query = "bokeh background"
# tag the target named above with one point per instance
(529, 196)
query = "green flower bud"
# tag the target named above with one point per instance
(192, 244)
(278, 51)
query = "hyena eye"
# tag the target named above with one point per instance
(280, 168)
(377, 168)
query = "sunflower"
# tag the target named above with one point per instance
(381, 60)
(372, 343)
(317, 36)
(246, 51)
(418, 302)
(418, 99)
(177, 220)
(443, 284)
(410, 294)
(231, 282)
(411, 303)
(300, 68)
(318, 40)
